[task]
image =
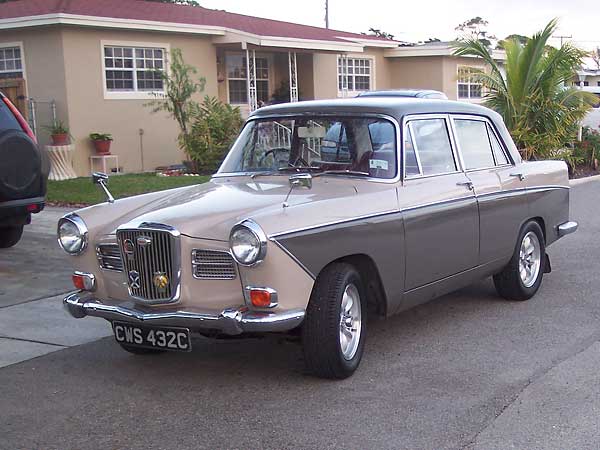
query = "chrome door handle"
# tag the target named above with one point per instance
(468, 184)
(520, 175)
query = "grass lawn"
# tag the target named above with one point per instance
(81, 191)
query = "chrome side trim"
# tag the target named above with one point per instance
(567, 228)
(232, 321)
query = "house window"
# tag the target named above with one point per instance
(469, 87)
(11, 64)
(238, 81)
(586, 83)
(354, 74)
(134, 69)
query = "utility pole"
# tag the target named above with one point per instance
(562, 37)
(327, 14)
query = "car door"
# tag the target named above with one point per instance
(439, 209)
(499, 191)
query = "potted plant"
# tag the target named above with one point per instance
(101, 142)
(59, 133)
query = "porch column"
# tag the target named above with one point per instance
(251, 79)
(293, 68)
(343, 70)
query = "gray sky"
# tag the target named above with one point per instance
(421, 19)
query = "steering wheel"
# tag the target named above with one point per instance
(299, 159)
(272, 152)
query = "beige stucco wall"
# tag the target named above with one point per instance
(89, 111)
(417, 72)
(44, 71)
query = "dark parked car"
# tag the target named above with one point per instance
(24, 168)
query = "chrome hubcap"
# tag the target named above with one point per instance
(350, 322)
(530, 259)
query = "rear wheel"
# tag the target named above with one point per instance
(9, 236)
(333, 333)
(522, 276)
(140, 350)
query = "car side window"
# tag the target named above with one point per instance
(499, 154)
(432, 146)
(474, 143)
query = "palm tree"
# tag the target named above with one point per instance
(539, 108)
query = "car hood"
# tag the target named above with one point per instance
(210, 210)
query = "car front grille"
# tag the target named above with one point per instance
(212, 265)
(109, 257)
(151, 261)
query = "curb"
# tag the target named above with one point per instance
(579, 181)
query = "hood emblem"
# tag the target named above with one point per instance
(160, 280)
(143, 241)
(134, 279)
(128, 247)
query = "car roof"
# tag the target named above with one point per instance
(396, 106)
(416, 93)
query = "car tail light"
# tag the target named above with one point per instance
(20, 119)
(84, 281)
(262, 297)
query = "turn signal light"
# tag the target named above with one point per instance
(84, 281)
(262, 297)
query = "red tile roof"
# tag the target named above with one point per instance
(165, 12)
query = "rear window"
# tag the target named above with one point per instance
(7, 120)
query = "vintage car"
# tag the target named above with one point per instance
(414, 199)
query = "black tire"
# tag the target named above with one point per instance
(321, 345)
(20, 166)
(509, 283)
(9, 236)
(140, 350)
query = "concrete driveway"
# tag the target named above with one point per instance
(467, 371)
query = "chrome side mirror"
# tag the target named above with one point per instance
(301, 180)
(101, 179)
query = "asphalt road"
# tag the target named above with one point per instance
(466, 371)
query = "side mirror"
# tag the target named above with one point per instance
(101, 179)
(301, 180)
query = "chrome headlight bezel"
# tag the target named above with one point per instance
(249, 226)
(82, 230)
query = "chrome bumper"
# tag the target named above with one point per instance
(567, 228)
(230, 321)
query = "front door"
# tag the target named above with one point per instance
(441, 219)
(14, 89)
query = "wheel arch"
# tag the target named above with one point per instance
(371, 278)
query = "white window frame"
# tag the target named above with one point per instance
(372, 77)
(18, 45)
(243, 55)
(468, 83)
(134, 94)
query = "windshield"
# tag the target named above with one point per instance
(364, 146)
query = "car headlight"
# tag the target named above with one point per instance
(72, 234)
(248, 243)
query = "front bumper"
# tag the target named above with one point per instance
(567, 228)
(231, 321)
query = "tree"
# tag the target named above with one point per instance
(522, 39)
(379, 33)
(476, 29)
(175, 2)
(540, 111)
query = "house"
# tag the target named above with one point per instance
(588, 79)
(93, 65)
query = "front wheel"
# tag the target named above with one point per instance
(9, 236)
(522, 276)
(333, 333)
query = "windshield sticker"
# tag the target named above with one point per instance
(378, 164)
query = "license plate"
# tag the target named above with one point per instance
(174, 339)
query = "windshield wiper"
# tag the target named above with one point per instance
(343, 172)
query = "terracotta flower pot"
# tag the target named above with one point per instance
(102, 147)
(60, 139)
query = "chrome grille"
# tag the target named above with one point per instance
(212, 265)
(109, 257)
(148, 255)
